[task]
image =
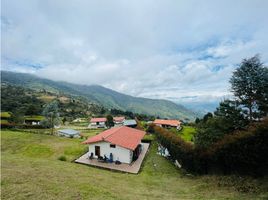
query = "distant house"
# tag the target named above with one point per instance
(117, 144)
(130, 123)
(119, 121)
(33, 120)
(167, 123)
(69, 133)
(97, 123)
(100, 122)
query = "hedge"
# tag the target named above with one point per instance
(243, 152)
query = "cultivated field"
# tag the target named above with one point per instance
(31, 170)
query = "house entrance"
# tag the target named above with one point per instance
(97, 151)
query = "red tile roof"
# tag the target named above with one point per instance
(119, 119)
(93, 120)
(122, 136)
(170, 122)
(102, 119)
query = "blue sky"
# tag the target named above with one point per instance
(184, 51)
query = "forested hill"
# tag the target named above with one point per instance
(101, 95)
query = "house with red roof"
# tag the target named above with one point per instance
(119, 121)
(168, 123)
(100, 122)
(97, 122)
(117, 144)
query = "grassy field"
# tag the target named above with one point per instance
(31, 170)
(187, 132)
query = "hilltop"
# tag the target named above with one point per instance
(105, 97)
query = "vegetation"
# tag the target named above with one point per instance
(40, 175)
(18, 101)
(51, 112)
(5, 115)
(62, 158)
(109, 121)
(34, 117)
(187, 133)
(101, 96)
(242, 153)
(226, 119)
(250, 86)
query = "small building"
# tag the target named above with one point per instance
(100, 122)
(97, 123)
(118, 144)
(33, 120)
(119, 121)
(168, 123)
(69, 133)
(130, 123)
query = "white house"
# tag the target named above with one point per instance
(100, 122)
(119, 143)
(97, 123)
(119, 121)
(168, 123)
(69, 133)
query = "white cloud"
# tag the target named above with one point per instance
(164, 49)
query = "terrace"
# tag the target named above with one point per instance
(133, 168)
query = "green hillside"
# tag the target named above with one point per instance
(101, 95)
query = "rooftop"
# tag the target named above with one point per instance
(170, 122)
(69, 131)
(100, 119)
(129, 122)
(122, 136)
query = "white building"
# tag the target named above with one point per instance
(97, 123)
(100, 122)
(118, 143)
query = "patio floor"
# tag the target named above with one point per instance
(134, 167)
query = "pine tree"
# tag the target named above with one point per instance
(249, 84)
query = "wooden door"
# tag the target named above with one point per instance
(97, 150)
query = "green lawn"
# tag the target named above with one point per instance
(30, 169)
(187, 133)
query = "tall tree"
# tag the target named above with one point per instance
(109, 121)
(51, 112)
(231, 116)
(249, 84)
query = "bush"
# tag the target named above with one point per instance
(243, 152)
(62, 158)
(185, 152)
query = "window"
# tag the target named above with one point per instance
(112, 146)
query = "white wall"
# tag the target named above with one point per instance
(94, 125)
(119, 153)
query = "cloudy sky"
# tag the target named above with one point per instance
(182, 50)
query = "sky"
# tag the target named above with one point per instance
(180, 50)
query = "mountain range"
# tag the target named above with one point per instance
(102, 96)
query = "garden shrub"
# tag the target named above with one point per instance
(242, 152)
(62, 158)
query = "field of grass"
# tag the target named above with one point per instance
(187, 132)
(30, 169)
